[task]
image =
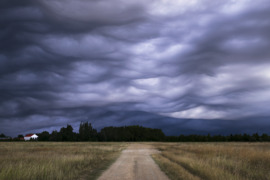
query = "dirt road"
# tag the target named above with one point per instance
(135, 163)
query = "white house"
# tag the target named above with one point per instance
(27, 137)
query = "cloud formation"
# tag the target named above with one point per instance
(186, 67)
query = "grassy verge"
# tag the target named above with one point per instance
(228, 161)
(56, 160)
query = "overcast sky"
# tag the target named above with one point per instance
(186, 66)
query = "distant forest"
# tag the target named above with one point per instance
(133, 133)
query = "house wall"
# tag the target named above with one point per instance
(27, 138)
(34, 136)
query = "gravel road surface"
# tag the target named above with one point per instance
(135, 163)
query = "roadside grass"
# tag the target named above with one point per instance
(211, 161)
(56, 160)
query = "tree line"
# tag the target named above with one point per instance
(219, 138)
(88, 133)
(134, 133)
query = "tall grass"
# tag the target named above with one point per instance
(223, 161)
(55, 160)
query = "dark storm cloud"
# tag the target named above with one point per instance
(199, 66)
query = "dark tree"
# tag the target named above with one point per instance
(131, 133)
(44, 136)
(20, 136)
(66, 134)
(265, 137)
(54, 136)
(2, 135)
(87, 132)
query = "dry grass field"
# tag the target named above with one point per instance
(56, 160)
(85, 160)
(214, 161)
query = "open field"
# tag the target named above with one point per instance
(222, 161)
(56, 160)
(85, 160)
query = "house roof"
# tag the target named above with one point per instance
(28, 135)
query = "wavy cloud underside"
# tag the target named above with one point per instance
(183, 66)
